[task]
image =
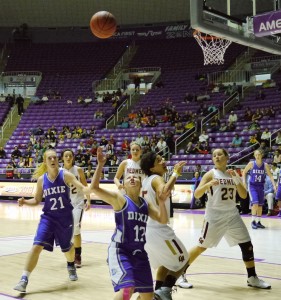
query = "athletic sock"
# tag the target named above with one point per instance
(170, 281)
(158, 284)
(78, 251)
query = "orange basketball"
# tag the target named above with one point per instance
(103, 24)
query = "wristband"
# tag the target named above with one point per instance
(236, 180)
(175, 174)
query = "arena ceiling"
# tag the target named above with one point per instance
(77, 13)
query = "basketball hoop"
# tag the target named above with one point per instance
(213, 47)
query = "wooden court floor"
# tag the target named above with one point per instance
(218, 274)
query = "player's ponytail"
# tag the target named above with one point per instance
(42, 168)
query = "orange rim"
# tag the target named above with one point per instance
(206, 37)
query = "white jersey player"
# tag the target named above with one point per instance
(77, 200)
(222, 218)
(130, 165)
(165, 250)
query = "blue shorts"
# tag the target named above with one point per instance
(51, 229)
(256, 193)
(129, 268)
(278, 192)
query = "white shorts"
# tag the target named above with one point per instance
(77, 217)
(164, 248)
(229, 226)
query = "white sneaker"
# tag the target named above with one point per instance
(183, 283)
(254, 281)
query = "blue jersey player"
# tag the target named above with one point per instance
(258, 169)
(278, 194)
(56, 222)
(128, 262)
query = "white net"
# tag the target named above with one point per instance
(213, 47)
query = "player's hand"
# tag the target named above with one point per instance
(101, 158)
(21, 201)
(121, 186)
(213, 182)
(87, 205)
(178, 167)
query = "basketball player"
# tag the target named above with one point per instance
(128, 262)
(130, 165)
(77, 200)
(258, 171)
(166, 252)
(222, 218)
(56, 222)
(278, 194)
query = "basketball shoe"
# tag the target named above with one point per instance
(72, 273)
(259, 225)
(21, 286)
(183, 283)
(254, 281)
(164, 293)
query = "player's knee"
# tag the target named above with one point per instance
(127, 292)
(247, 251)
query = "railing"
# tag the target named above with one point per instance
(249, 150)
(109, 120)
(273, 133)
(118, 67)
(16, 73)
(229, 102)
(126, 103)
(183, 137)
(165, 151)
(8, 122)
(142, 69)
(228, 76)
(208, 118)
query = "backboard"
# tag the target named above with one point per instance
(239, 30)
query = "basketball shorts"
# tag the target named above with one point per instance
(51, 229)
(256, 194)
(278, 192)
(164, 248)
(129, 268)
(229, 226)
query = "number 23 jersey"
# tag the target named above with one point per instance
(222, 197)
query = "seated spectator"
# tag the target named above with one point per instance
(189, 148)
(199, 148)
(68, 101)
(266, 136)
(231, 127)
(257, 116)
(277, 157)
(162, 146)
(278, 138)
(211, 108)
(16, 153)
(45, 98)
(253, 139)
(203, 137)
(2, 98)
(124, 123)
(88, 100)
(215, 124)
(269, 194)
(114, 161)
(89, 171)
(125, 146)
(2, 153)
(80, 100)
(232, 117)
(57, 95)
(179, 128)
(223, 127)
(81, 147)
(265, 150)
(236, 141)
(254, 126)
(275, 172)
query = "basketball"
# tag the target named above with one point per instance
(103, 24)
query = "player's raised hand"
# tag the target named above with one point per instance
(101, 158)
(21, 201)
(178, 167)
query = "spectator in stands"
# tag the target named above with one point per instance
(94, 148)
(103, 142)
(16, 153)
(139, 139)
(264, 149)
(81, 147)
(199, 149)
(275, 171)
(278, 138)
(203, 137)
(253, 140)
(161, 146)
(80, 100)
(266, 136)
(277, 157)
(45, 98)
(9, 99)
(223, 127)
(269, 194)
(211, 108)
(137, 82)
(2, 153)
(57, 95)
(89, 171)
(236, 141)
(114, 161)
(257, 116)
(124, 123)
(215, 124)
(2, 98)
(125, 146)
(88, 100)
(232, 117)
(189, 148)
(20, 102)
(254, 126)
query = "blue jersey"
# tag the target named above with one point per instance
(57, 195)
(257, 174)
(131, 224)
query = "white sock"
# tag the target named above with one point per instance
(26, 273)
(258, 219)
(253, 218)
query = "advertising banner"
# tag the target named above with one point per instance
(267, 24)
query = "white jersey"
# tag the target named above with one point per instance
(149, 195)
(133, 167)
(222, 197)
(76, 196)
